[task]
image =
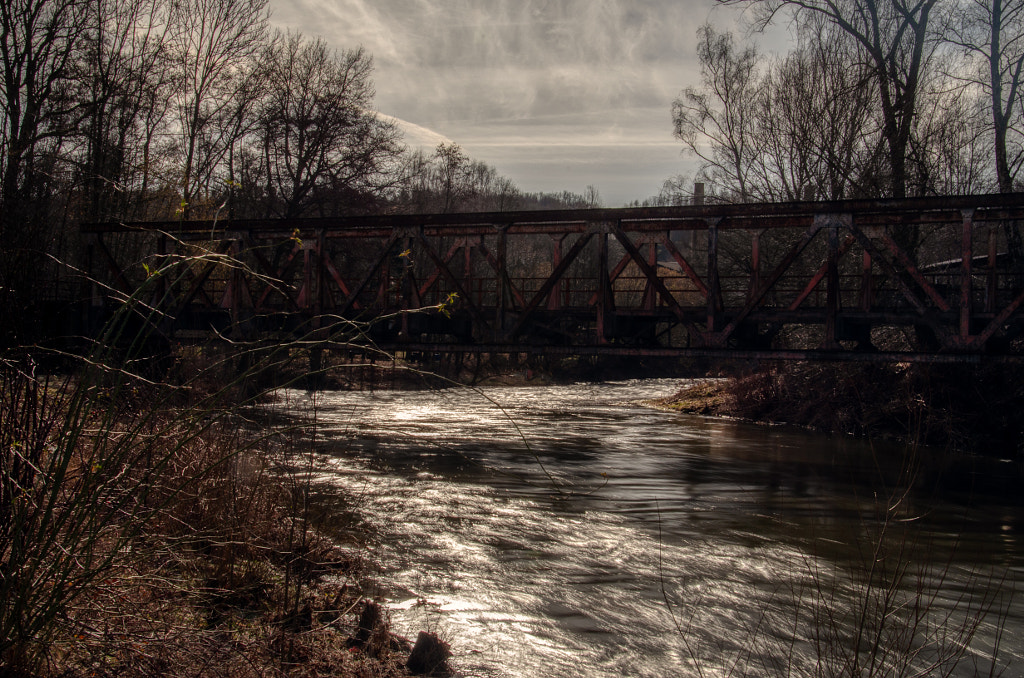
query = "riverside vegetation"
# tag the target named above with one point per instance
(963, 407)
(149, 530)
(157, 518)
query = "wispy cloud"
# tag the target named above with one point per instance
(502, 77)
(416, 136)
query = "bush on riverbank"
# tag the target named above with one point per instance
(149, 529)
(970, 407)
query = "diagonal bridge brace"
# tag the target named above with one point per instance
(944, 336)
(553, 279)
(655, 281)
(474, 311)
(719, 339)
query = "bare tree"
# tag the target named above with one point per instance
(816, 128)
(323, 147)
(950, 153)
(127, 94)
(506, 196)
(38, 48)
(717, 123)
(452, 173)
(448, 180)
(991, 34)
(800, 126)
(675, 191)
(894, 40)
(39, 111)
(215, 48)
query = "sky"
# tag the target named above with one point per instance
(554, 94)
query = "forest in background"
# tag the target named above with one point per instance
(877, 98)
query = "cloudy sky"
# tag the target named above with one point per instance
(555, 94)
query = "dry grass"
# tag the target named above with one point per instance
(150, 526)
(708, 398)
(146, 537)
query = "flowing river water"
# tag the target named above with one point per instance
(570, 531)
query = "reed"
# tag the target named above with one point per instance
(151, 520)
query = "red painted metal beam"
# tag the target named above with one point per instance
(587, 297)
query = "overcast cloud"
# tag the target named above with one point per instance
(555, 94)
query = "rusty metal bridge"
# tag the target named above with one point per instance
(914, 279)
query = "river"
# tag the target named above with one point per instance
(570, 531)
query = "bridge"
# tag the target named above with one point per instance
(922, 279)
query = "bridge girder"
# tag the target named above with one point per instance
(821, 280)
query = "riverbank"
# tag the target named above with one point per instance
(963, 407)
(172, 529)
(355, 371)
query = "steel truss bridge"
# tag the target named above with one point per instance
(915, 279)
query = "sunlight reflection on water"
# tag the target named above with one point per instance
(568, 533)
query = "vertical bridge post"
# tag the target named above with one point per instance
(714, 301)
(605, 294)
(833, 300)
(966, 256)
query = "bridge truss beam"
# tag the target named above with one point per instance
(859, 280)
